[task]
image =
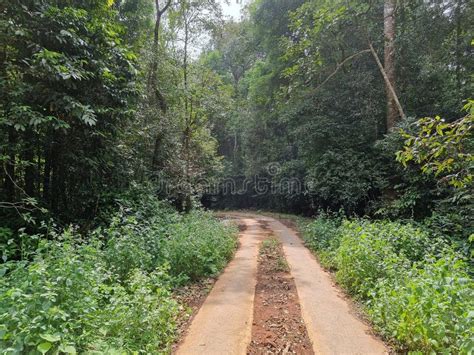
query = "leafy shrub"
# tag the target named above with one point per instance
(139, 317)
(194, 245)
(67, 300)
(199, 246)
(322, 236)
(343, 179)
(127, 247)
(429, 308)
(109, 293)
(9, 247)
(370, 251)
(417, 289)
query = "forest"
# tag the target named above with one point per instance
(125, 124)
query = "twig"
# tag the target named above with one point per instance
(339, 66)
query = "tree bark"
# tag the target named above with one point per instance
(187, 129)
(10, 169)
(30, 172)
(457, 14)
(47, 168)
(56, 168)
(152, 84)
(389, 61)
(153, 76)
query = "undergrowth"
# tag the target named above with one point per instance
(416, 288)
(110, 290)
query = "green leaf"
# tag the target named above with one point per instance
(51, 337)
(44, 347)
(68, 349)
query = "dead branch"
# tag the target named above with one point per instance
(387, 81)
(339, 66)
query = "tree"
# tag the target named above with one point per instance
(389, 61)
(154, 93)
(66, 80)
(153, 89)
(193, 17)
(313, 100)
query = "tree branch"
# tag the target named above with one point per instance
(339, 66)
(167, 5)
(387, 81)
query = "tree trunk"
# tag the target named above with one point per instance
(389, 61)
(47, 171)
(11, 165)
(188, 117)
(389, 86)
(457, 15)
(153, 90)
(55, 190)
(156, 163)
(30, 172)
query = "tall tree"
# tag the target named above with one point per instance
(67, 77)
(155, 95)
(195, 17)
(389, 61)
(153, 90)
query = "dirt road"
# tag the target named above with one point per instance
(223, 325)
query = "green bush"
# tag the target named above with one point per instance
(430, 308)
(322, 236)
(139, 317)
(417, 290)
(67, 300)
(129, 246)
(7, 244)
(109, 291)
(370, 251)
(194, 245)
(199, 246)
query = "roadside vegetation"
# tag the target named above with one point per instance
(109, 291)
(104, 132)
(416, 287)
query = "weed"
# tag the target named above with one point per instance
(417, 290)
(109, 291)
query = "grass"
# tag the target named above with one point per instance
(272, 248)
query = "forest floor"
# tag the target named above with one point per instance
(275, 298)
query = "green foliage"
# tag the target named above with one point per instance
(429, 307)
(7, 243)
(407, 193)
(322, 236)
(416, 289)
(67, 299)
(146, 233)
(110, 291)
(198, 246)
(443, 149)
(371, 251)
(344, 179)
(88, 105)
(66, 95)
(311, 95)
